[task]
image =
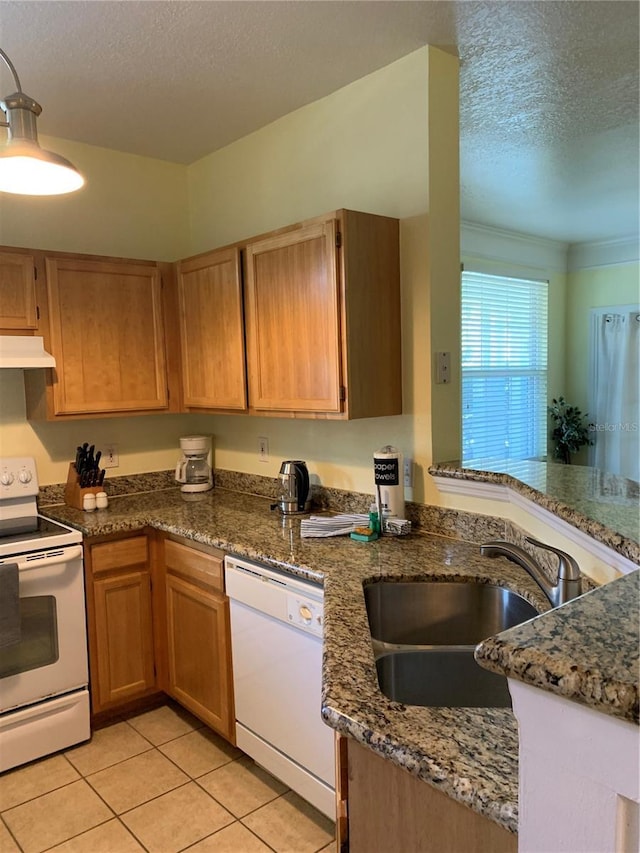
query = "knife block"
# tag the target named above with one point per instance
(73, 493)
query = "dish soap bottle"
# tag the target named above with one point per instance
(374, 519)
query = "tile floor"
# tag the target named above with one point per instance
(159, 781)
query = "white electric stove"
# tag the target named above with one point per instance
(44, 696)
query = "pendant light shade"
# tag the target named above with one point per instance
(25, 167)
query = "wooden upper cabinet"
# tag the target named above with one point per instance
(212, 331)
(293, 320)
(107, 336)
(17, 292)
(323, 318)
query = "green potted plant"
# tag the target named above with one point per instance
(570, 432)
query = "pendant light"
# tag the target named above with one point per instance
(25, 167)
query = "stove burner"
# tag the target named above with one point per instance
(28, 529)
(16, 526)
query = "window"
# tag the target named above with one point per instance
(504, 368)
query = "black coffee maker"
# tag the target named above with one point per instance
(294, 478)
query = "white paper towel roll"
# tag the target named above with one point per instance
(388, 475)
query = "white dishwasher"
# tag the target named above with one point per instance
(276, 646)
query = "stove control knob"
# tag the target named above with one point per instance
(25, 476)
(6, 478)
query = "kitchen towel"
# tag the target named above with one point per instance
(10, 632)
(336, 525)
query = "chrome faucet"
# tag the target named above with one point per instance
(568, 585)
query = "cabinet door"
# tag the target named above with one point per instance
(199, 654)
(211, 331)
(17, 292)
(389, 809)
(293, 321)
(124, 638)
(107, 336)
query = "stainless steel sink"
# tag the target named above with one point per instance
(430, 613)
(440, 677)
(424, 634)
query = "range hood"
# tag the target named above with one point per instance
(24, 351)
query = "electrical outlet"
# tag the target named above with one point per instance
(109, 457)
(263, 448)
(408, 472)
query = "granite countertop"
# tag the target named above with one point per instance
(604, 506)
(551, 653)
(469, 754)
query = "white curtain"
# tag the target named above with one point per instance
(615, 397)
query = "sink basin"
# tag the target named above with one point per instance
(440, 677)
(451, 613)
(424, 634)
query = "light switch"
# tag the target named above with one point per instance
(443, 368)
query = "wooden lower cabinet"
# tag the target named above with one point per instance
(198, 652)
(120, 621)
(158, 621)
(391, 811)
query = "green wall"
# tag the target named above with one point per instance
(616, 284)
(130, 207)
(364, 147)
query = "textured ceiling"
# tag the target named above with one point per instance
(548, 102)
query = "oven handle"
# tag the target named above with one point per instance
(66, 556)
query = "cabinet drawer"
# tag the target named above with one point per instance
(206, 569)
(117, 555)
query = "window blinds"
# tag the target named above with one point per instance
(504, 368)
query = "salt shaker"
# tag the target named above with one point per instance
(89, 502)
(102, 501)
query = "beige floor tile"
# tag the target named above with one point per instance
(330, 848)
(199, 752)
(110, 837)
(7, 844)
(164, 724)
(177, 819)
(107, 746)
(136, 780)
(235, 838)
(242, 786)
(291, 825)
(55, 817)
(26, 783)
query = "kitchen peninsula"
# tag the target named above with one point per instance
(471, 755)
(604, 506)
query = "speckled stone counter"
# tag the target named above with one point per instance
(602, 505)
(588, 651)
(469, 754)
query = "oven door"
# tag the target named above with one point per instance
(50, 657)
